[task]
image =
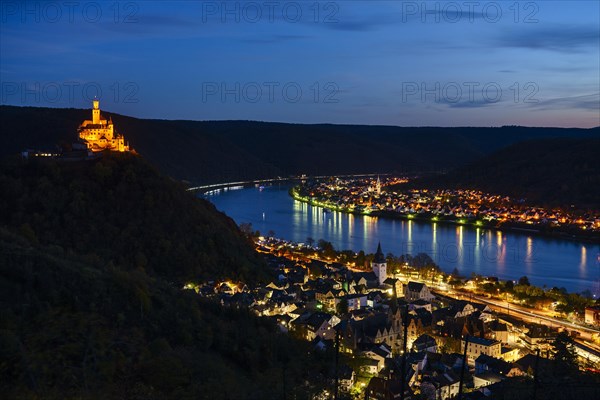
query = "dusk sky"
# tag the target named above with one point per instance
(351, 62)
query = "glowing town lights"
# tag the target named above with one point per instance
(465, 207)
(192, 286)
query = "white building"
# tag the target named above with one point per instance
(379, 266)
(417, 291)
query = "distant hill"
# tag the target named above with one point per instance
(222, 151)
(549, 172)
(93, 258)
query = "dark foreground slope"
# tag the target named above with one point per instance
(92, 260)
(550, 172)
(225, 151)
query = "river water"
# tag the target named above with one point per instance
(506, 255)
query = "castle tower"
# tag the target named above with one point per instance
(96, 112)
(379, 265)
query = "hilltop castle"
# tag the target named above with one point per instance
(99, 134)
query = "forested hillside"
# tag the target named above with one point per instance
(226, 151)
(118, 209)
(93, 256)
(549, 172)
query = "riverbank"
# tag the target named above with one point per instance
(557, 305)
(552, 262)
(547, 232)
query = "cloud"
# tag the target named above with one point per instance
(375, 21)
(273, 39)
(469, 104)
(560, 38)
(360, 17)
(161, 20)
(449, 16)
(355, 26)
(588, 102)
(571, 69)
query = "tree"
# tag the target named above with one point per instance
(360, 259)
(564, 354)
(450, 345)
(326, 248)
(315, 270)
(524, 280)
(246, 228)
(422, 260)
(534, 291)
(342, 306)
(310, 241)
(27, 232)
(475, 277)
(564, 308)
(489, 288)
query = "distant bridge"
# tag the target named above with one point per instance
(214, 186)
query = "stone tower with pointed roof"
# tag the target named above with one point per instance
(379, 265)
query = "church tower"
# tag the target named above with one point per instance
(379, 265)
(378, 186)
(96, 112)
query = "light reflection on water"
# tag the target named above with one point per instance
(507, 255)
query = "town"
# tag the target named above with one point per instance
(384, 197)
(385, 320)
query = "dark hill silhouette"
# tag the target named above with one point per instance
(222, 151)
(93, 258)
(549, 172)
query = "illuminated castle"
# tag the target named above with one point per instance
(99, 134)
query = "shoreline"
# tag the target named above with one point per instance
(444, 278)
(456, 221)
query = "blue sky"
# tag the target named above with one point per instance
(462, 63)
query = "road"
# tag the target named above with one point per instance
(536, 317)
(584, 340)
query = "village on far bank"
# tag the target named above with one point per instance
(364, 314)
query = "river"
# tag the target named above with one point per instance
(506, 255)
